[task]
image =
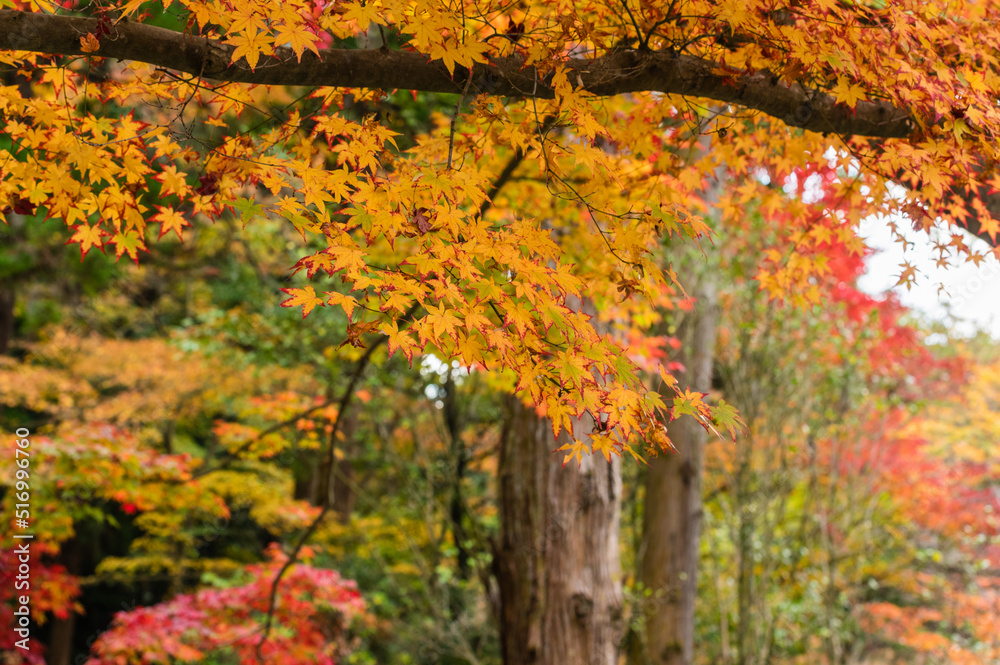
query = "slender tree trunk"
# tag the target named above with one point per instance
(745, 644)
(61, 638)
(343, 489)
(673, 507)
(557, 561)
(7, 300)
(342, 499)
(458, 454)
(334, 477)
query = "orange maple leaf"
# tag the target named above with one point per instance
(89, 43)
(306, 298)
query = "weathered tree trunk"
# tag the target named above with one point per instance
(672, 512)
(557, 561)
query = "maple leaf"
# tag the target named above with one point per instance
(87, 237)
(363, 13)
(400, 340)
(170, 220)
(306, 298)
(520, 319)
(441, 320)
(661, 440)
(128, 242)
(396, 301)
(173, 181)
(734, 12)
(574, 450)
(470, 348)
(314, 263)
(728, 418)
(348, 303)
(89, 43)
(248, 209)
(604, 444)
(689, 403)
(848, 93)
(298, 39)
(908, 276)
(250, 45)
(356, 331)
(422, 220)
(989, 225)
(559, 414)
(572, 368)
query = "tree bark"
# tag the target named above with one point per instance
(557, 561)
(621, 72)
(7, 301)
(60, 649)
(672, 513)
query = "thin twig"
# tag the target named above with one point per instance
(454, 117)
(343, 403)
(509, 169)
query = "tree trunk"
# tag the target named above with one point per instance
(458, 457)
(333, 479)
(672, 513)
(557, 561)
(61, 638)
(7, 301)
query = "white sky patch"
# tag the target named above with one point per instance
(963, 295)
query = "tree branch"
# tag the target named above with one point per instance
(613, 74)
(342, 404)
(621, 72)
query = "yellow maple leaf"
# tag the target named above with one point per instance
(365, 13)
(400, 340)
(345, 301)
(908, 276)
(848, 93)
(88, 237)
(297, 38)
(306, 298)
(573, 450)
(170, 220)
(469, 347)
(173, 182)
(989, 224)
(604, 444)
(734, 12)
(251, 45)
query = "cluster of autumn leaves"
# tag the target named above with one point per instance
(108, 457)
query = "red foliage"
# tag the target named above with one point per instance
(313, 609)
(52, 590)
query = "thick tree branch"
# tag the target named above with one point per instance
(614, 74)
